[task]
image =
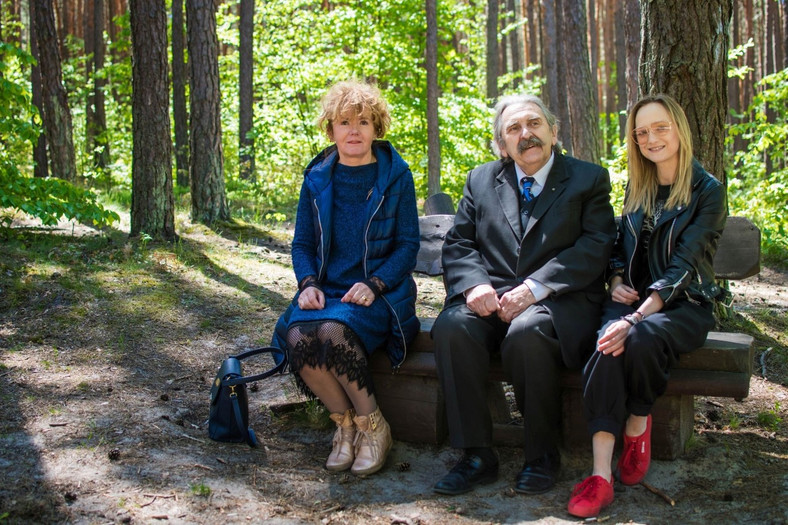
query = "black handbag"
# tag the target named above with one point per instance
(229, 416)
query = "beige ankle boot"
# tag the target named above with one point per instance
(373, 442)
(342, 455)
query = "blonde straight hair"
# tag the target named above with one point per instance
(643, 183)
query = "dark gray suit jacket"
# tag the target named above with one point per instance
(566, 245)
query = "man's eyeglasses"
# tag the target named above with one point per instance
(659, 129)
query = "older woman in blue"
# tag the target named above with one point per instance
(354, 247)
(662, 293)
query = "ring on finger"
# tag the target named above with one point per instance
(364, 298)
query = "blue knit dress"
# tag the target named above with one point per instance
(351, 185)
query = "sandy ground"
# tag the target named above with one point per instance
(91, 436)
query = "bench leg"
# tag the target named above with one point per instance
(413, 406)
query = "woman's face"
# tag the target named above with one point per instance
(656, 135)
(353, 135)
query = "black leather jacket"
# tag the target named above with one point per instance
(682, 246)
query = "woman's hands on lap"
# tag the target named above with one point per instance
(359, 294)
(311, 298)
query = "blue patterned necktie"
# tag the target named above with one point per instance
(526, 183)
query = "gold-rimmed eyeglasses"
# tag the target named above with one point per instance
(659, 129)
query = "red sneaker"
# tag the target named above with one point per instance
(590, 496)
(636, 457)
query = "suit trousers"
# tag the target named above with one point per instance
(630, 383)
(531, 355)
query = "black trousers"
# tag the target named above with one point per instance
(614, 387)
(531, 356)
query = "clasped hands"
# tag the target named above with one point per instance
(484, 302)
(313, 298)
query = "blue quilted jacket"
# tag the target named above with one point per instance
(391, 240)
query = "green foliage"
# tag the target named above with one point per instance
(50, 199)
(47, 199)
(379, 41)
(19, 121)
(735, 55)
(200, 490)
(758, 183)
(770, 419)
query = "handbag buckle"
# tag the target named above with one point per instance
(232, 391)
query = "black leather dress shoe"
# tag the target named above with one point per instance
(538, 476)
(465, 475)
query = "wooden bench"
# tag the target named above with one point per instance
(413, 402)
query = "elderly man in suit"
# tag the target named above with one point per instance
(523, 268)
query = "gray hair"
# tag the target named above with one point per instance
(518, 100)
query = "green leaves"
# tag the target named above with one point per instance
(758, 185)
(50, 199)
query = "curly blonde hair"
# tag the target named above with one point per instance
(353, 97)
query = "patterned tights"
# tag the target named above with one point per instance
(329, 362)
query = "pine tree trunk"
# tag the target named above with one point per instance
(245, 91)
(40, 147)
(580, 85)
(57, 117)
(550, 46)
(556, 50)
(632, 36)
(691, 66)
(206, 171)
(179, 81)
(515, 42)
(534, 32)
(99, 123)
(621, 68)
(152, 207)
(492, 49)
(433, 130)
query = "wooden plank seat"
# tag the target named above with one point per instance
(413, 402)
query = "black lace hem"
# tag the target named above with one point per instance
(330, 345)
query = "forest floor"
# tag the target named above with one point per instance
(108, 350)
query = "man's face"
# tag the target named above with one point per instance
(528, 138)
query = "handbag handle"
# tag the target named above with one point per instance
(278, 368)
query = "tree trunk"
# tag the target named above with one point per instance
(57, 117)
(245, 91)
(99, 123)
(550, 46)
(206, 171)
(503, 44)
(632, 36)
(560, 103)
(492, 49)
(515, 42)
(433, 130)
(784, 18)
(580, 85)
(621, 68)
(40, 147)
(179, 81)
(692, 67)
(594, 31)
(534, 33)
(152, 207)
(88, 41)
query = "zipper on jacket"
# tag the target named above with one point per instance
(322, 251)
(366, 235)
(634, 251)
(395, 368)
